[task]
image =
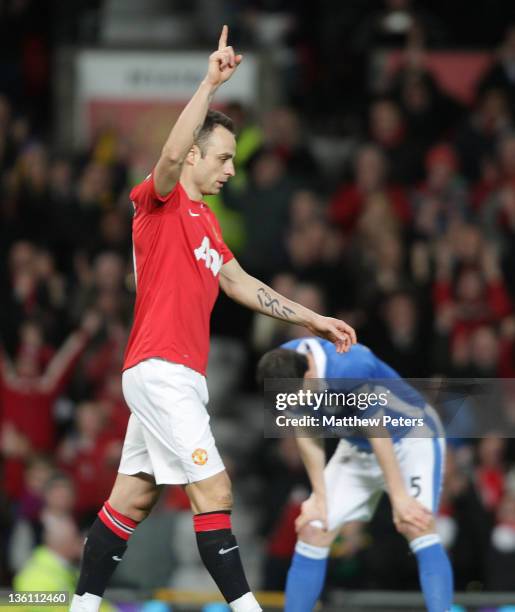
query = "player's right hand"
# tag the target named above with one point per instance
(313, 509)
(408, 511)
(223, 62)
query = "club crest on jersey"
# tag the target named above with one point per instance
(199, 456)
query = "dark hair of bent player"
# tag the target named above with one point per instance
(281, 363)
(212, 120)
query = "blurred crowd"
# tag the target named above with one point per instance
(410, 237)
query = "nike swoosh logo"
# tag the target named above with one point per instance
(115, 558)
(192, 214)
(224, 551)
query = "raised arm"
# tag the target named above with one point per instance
(64, 361)
(252, 293)
(222, 64)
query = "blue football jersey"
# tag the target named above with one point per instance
(360, 370)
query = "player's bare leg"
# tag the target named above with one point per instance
(211, 502)
(214, 493)
(130, 502)
(134, 496)
(309, 534)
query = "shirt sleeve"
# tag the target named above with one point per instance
(227, 254)
(145, 197)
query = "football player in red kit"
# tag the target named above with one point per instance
(180, 260)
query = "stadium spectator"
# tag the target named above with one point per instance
(400, 340)
(90, 456)
(28, 394)
(52, 566)
(501, 554)
(57, 502)
(102, 286)
(430, 112)
(501, 75)
(388, 130)
(477, 136)
(264, 206)
(283, 134)
(350, 202)
(478, 295)
(442, 198)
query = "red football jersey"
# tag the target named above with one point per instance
(178, 254)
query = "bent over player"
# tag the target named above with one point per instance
(363, 465)
(180, 260)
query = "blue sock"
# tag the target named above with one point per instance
(435, 572)
(306, 577)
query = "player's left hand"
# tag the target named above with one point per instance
(313, 509)
(408, 511)
(338, 332)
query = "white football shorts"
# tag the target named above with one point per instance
(354, 480)
(168, 435)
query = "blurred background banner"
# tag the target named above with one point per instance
(138, 95)
(456, 72)
(467, 408)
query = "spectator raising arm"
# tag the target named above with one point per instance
(63, 362)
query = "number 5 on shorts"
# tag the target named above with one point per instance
(415, 486)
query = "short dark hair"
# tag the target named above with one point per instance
(281, 363)
(213, 119)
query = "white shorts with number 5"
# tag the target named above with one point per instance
(168, 435)
(354, 480)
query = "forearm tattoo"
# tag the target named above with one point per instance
(273, 305)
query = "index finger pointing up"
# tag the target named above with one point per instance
(222, 42)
